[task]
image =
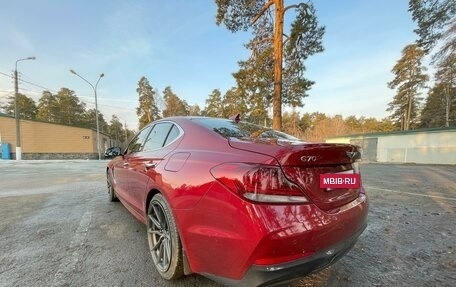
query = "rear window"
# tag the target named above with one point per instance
(229, 128)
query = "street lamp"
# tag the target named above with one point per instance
(96, 107)
(16, 110)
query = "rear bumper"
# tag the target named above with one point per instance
(278, 274)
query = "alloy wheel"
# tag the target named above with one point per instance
(159, 236)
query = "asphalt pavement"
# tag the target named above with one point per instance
(57, 228)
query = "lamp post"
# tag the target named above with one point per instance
(16, 110)
(96, 107)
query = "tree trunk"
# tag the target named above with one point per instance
(402, 121)
(409, 113)
(409, 103)
(447, 108)
(278, 56)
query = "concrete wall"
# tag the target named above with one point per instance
(436, 147)
(429, 147)
(41, 140)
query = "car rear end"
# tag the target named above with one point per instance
(304, 227)
(266, 220)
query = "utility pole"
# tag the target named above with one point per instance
(16, 110)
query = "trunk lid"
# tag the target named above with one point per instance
(303, 163)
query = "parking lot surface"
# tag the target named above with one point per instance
(57, 228)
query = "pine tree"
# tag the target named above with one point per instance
(70, 108)
(255, 84)
(435, 20)
(234, 103)
(26, 106)
(88, 120)
(446, 76)
(48, 108)
(214, 105)
(433, 113)
(409, 80)
(174, 106)
(269, 46)
(194, 110)
(116, 130)
(147, 110)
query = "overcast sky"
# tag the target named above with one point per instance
(176, 43)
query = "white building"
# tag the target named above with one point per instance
(428, 146)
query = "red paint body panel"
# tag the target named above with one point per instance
(224, 234)
(226, 241)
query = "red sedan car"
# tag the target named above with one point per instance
(237, 202)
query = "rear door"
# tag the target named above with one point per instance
(145, 164)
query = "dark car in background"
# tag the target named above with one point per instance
(237, 202)
(112, 152)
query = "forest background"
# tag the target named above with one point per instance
(421, 101)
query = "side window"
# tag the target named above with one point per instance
(136, 143)
(173, 134)
(157, 136)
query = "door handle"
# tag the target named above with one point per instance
(150, 164)
(125, 164)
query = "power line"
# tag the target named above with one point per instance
(28, 82)
(54, 91)
(39, 86)
(4, 74)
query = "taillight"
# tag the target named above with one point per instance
(262, 183)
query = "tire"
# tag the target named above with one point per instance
(111, 192)
(164, 242)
